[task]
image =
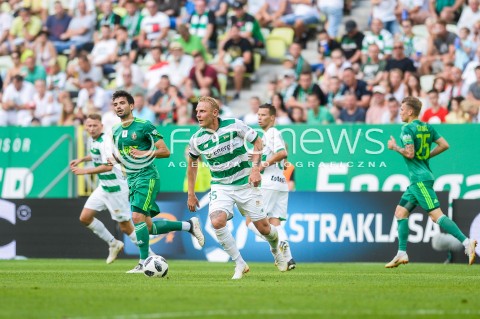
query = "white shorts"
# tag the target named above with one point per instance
(116, 203)
(275, 203)
(249, 202)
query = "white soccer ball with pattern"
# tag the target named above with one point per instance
(155, 266)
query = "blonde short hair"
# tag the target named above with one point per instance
(211, 101)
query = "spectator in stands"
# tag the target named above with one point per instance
(190, 44)
(125, 45)
(79, 32)
(156, 70)
(47, 110)
(132, 20)
(470, 15)
(171, 108)
(108, 17)
(220, 8)
(414, 10)
(32, 72)
(129, 85)
(398, 60)
(304, 14)
(392, 115)
(457, 115)
(201, 79)
(77, 74)
(351, 111)
(273, 10)
(282, 113)
(251, 118)
(57, 23)
(6, 20)
(351, 42)
(397, 84)
(448, 10)
(413, 88)
(287, 84)
(126, 63)
(14, 70)
(334, 93)
(440, 84)
(44, 50)
(154, 27)
(141, 109)
(92, 98)
(473, 93)
(325, 44)
(469, 72)
(457, 86)
(297, 115)
(240, 52)
(334, 12)
(248, 25)
(25, 28)
(202, 24)
(439, 51)
(89, 7)
(305, 87)
(464, 48)
(356, 87)
(300, 64)
(56, 78)
(435, 113)
(378, 106)
(17, 106)
(180, 65)
(335, 66)
(160, 90)
(317, 114)
(413, 44)
(372, 69)
(380, 37)
(67, 115)
(472, 110)
(384, 10)
(172, 9)
(104, 51)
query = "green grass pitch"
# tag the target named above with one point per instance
(90, 289)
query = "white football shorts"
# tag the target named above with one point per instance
(116, 203)
(249, 202)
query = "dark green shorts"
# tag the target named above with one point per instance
(142, 196)
(420, 194)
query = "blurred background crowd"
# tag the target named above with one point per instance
(61, 60)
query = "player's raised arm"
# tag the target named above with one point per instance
(192, 169)
(255, 177)
(442, 146)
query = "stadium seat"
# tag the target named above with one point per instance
(276, 47)
(286, 34)
(62, 62)
(120, 11)
(420, 31)
(426, 82)
(222, 82)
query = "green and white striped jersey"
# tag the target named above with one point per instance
(224, 151)
(100, 150)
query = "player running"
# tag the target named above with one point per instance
(112, 192)
(416, 140)
(138, 143)
(274, 186)
(234, 181)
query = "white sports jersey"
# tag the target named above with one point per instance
(272, 176)
(225, 152)
(112, 181)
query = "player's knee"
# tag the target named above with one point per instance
(85, 219)
(263, 227)
(218, 219)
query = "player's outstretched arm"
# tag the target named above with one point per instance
(255, 177)
(442, 146)
(77, 161)
(91, 170)
(275, 158)
(192, 168)
(408, 151)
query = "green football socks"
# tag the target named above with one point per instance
(402, 234)
(165, 226)
(450, 227)
(141, 230)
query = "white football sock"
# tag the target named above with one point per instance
(133, 237)
(228, 243)
(252, 227)
(99, 229)
(466, 242)
(272, 239)
(186, 226)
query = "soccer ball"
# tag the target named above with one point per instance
(155, 266)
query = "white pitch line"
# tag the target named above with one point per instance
(280, 312)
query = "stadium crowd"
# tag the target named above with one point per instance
(62, 60)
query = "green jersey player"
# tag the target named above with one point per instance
(416, 147)
(138, 143)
